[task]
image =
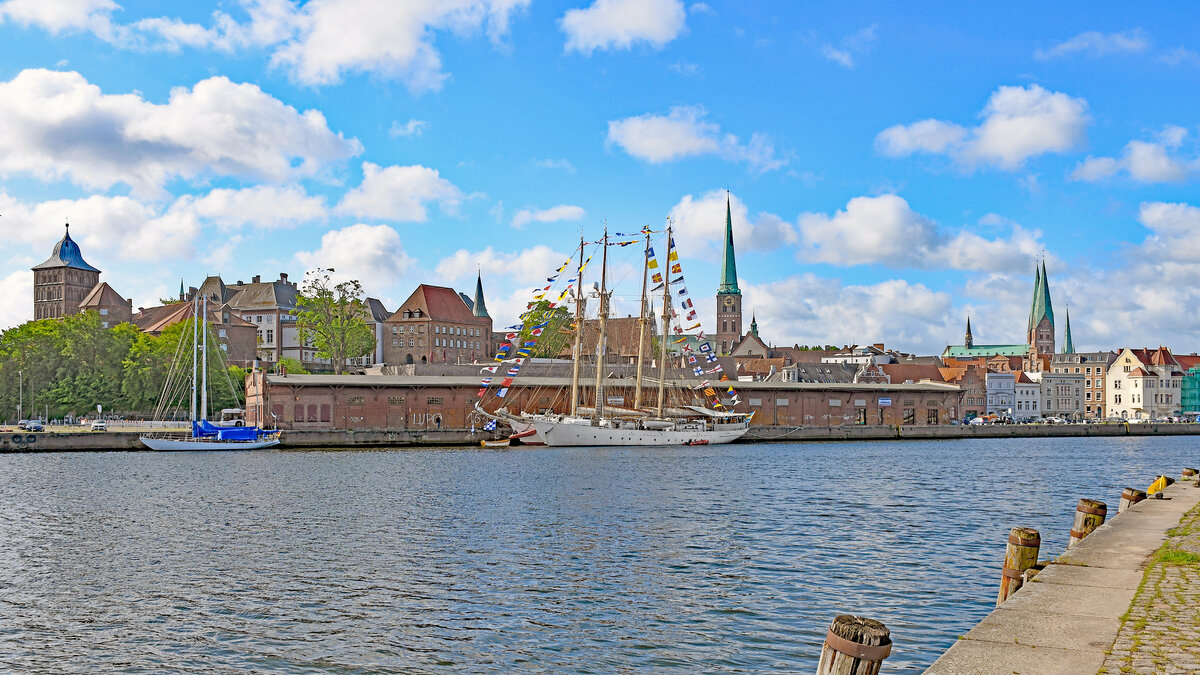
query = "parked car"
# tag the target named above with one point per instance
(23, 424)
(977, 421)
(99, 425)
(34, 425)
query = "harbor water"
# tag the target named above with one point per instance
(685, 559)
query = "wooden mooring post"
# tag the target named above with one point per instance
(1020, 554)
(1089, 514)
(854, 646)
(1190, 473)
(1129, 497)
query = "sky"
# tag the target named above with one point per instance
(891, 168)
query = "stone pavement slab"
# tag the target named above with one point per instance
(1068, 617)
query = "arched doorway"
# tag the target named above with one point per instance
(408, 359)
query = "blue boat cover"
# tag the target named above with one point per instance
(205, 429)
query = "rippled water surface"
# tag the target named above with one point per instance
(726, 558)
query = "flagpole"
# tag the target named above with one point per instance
(598, 409)
(637, 392)
(662, 356)
(578, 334)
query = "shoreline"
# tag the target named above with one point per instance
(85, 441)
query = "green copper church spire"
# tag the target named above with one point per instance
(1068, 343)
(729, 284)
(478, 307)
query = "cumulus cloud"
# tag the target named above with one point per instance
(1095, 43)
(1143, 161)
(619, 24)
(1178, 56)
(317, 42)
(60, 126)
(16, 298)
(683, 132)
(265, 206)
(372, 254)
(399, 193)
(1017, 123)
(807, 309)
(553, 214)
(1173, 231)
(526, 266)
(885, 230)
(701, 220)
(550, 163)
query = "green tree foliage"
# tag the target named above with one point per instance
(332, 318)
(69, 366)
(291, 366)
(557, 335)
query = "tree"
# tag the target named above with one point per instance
(290, 366)
(555, 336)
(330, 317)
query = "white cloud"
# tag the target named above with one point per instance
(1143, 161)
(59, 16)
(265, 206)
(683, 132)
(885, 230)
(399, 193)
(553, 214)
(409, 128)
(1094, 43)
(854, 45)
(702, 220)
(619, 24)
(58, 125)
(1018, 123)
(1179, 56)
(16, 299)
(528, 266)
(807, 309)
(1174, 231)
(548, 163)
(372, 254)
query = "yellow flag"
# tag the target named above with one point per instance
(672, 255)
(1158, 485)
(653, 264)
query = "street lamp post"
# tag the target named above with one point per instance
(20, 392)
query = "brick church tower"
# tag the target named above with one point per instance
(63, 281)
(1040, 330)
(729, 296)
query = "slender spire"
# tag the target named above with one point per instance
(478, 308)
(1068, 343)
(1048, 307)
(729, 264)
(970, 340)
(753, 324)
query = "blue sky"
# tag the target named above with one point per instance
(890, 169)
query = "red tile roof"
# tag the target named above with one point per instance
(437, 303)
(899, 373)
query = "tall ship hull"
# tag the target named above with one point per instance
(569, 431)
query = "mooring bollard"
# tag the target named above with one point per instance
(1089, 514)
(1129, 497)
(1020, 554)
(854, 646)
(1189, 473)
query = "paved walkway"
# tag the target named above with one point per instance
(1161, 631)
(1066, 620)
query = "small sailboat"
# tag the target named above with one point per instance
(204, 434)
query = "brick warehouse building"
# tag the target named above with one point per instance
(327, 402)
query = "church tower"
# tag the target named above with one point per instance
(1040, 334)
(1068, 343)
(970, 340)
(63, 281)
(729, 296)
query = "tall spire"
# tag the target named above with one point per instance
(753, 324)
(478, 308)
(1042, 307)
(970, 340)
(1068, 343)
(729, 264)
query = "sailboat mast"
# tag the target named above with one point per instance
(578, 334)
(195, 348)
(662, 348)
(598, 410)
(637, 392)
(204, 359)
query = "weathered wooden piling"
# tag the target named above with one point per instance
(1189, 473)
(1020, 554)
(854, 645)
(1129, 497)
(1089, 514)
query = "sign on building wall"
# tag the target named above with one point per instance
(885, 403)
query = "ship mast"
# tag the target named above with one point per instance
(195, 350)
(662, 347)
(598, 409)
(578, 333)
(637, 392)
(204, 358)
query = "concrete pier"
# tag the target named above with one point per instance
(1066, 620)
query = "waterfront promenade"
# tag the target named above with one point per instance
(14, 441)
(1126, 599)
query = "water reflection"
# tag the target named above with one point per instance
(714, 559)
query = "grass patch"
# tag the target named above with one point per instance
(1176, 557)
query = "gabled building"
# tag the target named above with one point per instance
(435, 325)
(1093, 366)
(112, 308)
(236, 337)
(1144, 384)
